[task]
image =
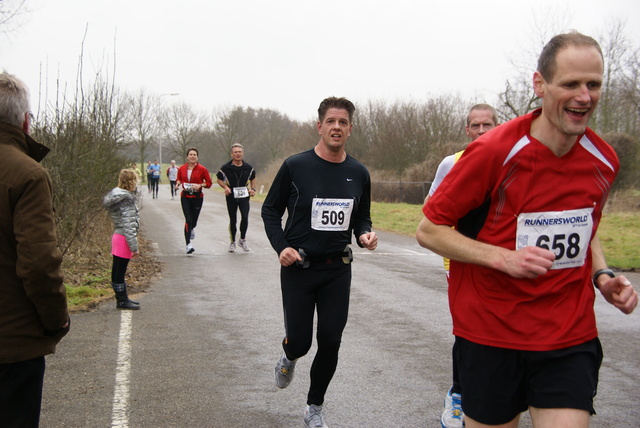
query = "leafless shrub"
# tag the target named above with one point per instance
(86, 141)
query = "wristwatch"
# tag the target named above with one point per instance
(601, 272)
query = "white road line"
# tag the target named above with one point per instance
(398, 253)
(120, 409)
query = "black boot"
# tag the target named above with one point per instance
(127, 294)
(122, 300)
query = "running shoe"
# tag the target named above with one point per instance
(232, 247)
(313, 417)
(193, 234)
(243, 244)
(190, 249)
(284, 371)
(452, 416)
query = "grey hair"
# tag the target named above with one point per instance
(483, 106)
(14, 99)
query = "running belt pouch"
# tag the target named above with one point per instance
(347, 255)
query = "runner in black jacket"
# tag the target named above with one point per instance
(326, 194)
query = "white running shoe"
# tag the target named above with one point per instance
(190, 249)
(313, 417)
(452, 416)
(232, 247)
(193, 234)
(243, 244)
(284, 371)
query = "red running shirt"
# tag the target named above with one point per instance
(199, 175)
(504, 175)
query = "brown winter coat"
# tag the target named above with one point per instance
(33, 301)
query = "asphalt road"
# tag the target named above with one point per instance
(201, 352)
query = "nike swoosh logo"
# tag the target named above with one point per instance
(349, 179)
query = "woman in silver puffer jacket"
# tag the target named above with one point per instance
(121, 204)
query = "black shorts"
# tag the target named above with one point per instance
(498, 384)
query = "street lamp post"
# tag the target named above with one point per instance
(160, 142)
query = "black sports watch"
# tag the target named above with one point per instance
(601, 272)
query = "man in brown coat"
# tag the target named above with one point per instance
(33, 301)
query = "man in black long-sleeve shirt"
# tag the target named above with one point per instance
(327, 196)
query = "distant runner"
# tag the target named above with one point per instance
(192, 178)
(237, 178)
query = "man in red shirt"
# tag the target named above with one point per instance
(526, 200)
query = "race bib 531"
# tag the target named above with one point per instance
(240, 192)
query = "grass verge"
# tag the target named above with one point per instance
(619, 235)
(397, 218)
(619, 232)
(93, 288)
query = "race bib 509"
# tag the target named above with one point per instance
(331, 214)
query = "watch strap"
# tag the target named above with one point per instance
(599, 272)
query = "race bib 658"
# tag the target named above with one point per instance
(566, 233)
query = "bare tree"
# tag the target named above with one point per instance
(231, 126)
(182, 125)
(632, 80)
(614, 47)
(10, 13)
(628, 150)
(142, 122)
(518, 97)
(618, 108)
(271, 135)
(394, 137)
(84, 160)
(267, 135)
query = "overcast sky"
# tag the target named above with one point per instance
(290, 54)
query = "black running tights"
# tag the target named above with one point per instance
(304, 291)
(191, 209)
(232, 207)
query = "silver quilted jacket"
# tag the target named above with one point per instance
(121, 204)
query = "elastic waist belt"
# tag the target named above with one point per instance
(325, 257)
(343, 257)
(191, 195)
